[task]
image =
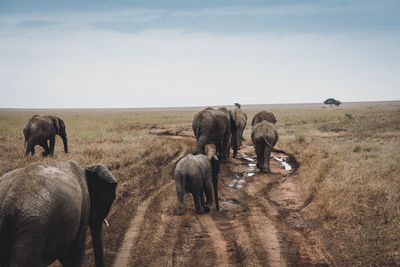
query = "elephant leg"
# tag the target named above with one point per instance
(46, 148)
(260, 155)
(202, 199)
(30, 147)
(180, 193)
(73, 257)
(215, 185)
(209, 197)
(52, 144)
(234, 144)
(25, 251)
(201, 145)
(220, 151)
(267, 158)
(197, 204)
(225, 147)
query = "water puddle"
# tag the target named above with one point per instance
(285, 165)
(246, 157)
(239, 179)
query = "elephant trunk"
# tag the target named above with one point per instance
(65, 141)
(214, 174)
(97, 239)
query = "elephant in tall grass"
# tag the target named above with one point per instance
(238, 124)
(45, 210)
(264, 137)
(39, 129)
(212, 126)
(195, 174)
(263, 116)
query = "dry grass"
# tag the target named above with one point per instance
(350, 165)
(351, 168)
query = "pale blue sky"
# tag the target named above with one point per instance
(126, 54)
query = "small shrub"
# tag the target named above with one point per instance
(349, 116)
(299, 137)
(357, 149)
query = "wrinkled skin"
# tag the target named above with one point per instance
(45, 210)
(39, 129)
(212, 126)
(238, 124)
(263, 116)
(195, 174)
(264, 136)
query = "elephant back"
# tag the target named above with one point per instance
(263, 116)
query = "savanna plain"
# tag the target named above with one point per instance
(338, 206)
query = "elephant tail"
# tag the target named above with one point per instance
(292, 159)
(272, 148)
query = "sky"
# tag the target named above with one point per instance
(158, 53)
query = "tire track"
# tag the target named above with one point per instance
(220, 245)
(124, 253)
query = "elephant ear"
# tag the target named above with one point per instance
(56, 123)
(234, 122)
(102, 186)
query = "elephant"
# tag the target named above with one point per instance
(212, 126)
(45, 210)
(238, 124)
(194, 174)
(264, 137)
(263, 116)
(39, 129)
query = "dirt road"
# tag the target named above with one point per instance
(258, 225)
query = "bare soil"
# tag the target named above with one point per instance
(262, 222)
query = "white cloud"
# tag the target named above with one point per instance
(70, 66)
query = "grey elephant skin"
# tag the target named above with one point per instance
(195, 174)
(45, 211)
(264, 137)
(263, 116)
(39, 129)
(212, 126)
(238, 124)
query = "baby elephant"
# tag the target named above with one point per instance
(194, 174)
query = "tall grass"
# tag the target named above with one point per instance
(353, 176)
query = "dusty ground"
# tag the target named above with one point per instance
(259, 223)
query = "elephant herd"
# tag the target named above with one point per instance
(195, 173)
(45, 210)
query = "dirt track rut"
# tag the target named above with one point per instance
(258, 224)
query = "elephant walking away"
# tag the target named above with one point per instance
(264, 137)
(263, 116)
(212, 126)
(45, 210)
(238, 124)
(39, 129)
(195, 174)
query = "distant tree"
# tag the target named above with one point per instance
(332, 101)
(237, 105)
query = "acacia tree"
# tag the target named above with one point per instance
(332, 101)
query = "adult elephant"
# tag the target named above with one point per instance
(264, 137)
(212, 126)
(39, 129)
(238, 124)
(263, 116)
(45, 210)
(195, 174)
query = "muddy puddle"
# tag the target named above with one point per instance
(248, 170)
(283, 162)
(239, 179)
